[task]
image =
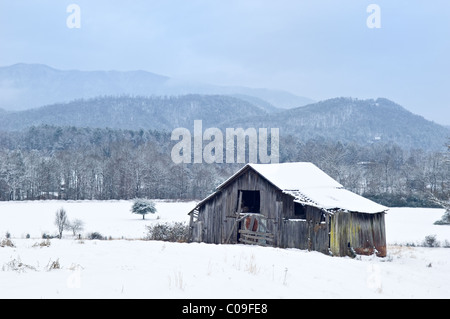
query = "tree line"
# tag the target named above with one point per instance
(383, 172)
(48, 162)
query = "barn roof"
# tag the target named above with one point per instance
(309, 185)
(289, 176)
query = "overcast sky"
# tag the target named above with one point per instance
(315, 48)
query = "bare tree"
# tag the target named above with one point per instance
(75, 225)
(61, 221)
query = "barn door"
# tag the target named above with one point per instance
(253, 230)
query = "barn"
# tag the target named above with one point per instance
(289, 205)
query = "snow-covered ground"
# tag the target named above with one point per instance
(109, 218)
(132, 268)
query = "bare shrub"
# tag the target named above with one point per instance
(172, 232)
(16, 265)
(6, 242)
(44, 243)
(53, 265)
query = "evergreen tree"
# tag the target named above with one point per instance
(143, 207)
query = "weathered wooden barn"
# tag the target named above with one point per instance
(290, 205)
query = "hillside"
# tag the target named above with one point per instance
(25, 86)
(341, 119)
(157, 113)
(352, 120)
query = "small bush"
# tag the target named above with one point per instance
(96, 235)
(53, 265)
(16, 265)
(430, 241)
(44, 243)
(445, 219)
(172, 232)
(6, 243)
(48, 236)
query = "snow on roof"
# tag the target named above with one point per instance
(295, 176)
(309, 185)
(336, 198)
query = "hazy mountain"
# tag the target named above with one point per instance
(26, 86)
(353, 120)
(158, 113)
(341, 119)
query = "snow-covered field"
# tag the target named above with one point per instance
(127, 267)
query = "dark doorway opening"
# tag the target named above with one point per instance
(299, 211)
(250, 202)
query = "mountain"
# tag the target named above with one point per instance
(134, 113)
(352, 120)
(26, 86)
(340, 119)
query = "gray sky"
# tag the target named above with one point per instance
(315, 48)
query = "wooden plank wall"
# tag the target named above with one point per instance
(310, 233)
(295, 234)
(219, 213)
(365, 233)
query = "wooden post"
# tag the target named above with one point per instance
(239, 204)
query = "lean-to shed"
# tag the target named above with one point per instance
(290, 205)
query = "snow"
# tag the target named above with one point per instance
(109, 218)
(340, 198)
(312, 185)
(133, 268)
(411, 225)
(298, 175)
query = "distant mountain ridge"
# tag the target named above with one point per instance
(340, 119)
(133, 113)
(25, 86)
(354, 120)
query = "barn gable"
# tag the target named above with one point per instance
(289, 205)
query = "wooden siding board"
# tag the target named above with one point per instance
(363, 232)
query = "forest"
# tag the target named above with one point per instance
(48, 162)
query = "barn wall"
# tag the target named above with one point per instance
(295, 234)
(365, 233)
(310, 233)
(218, 215)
